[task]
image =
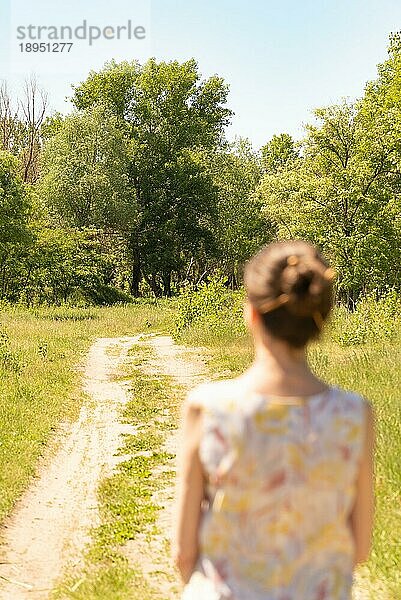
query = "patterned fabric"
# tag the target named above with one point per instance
(280, 487)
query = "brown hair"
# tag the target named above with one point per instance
(291, 285)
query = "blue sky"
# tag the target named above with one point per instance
(280, 59)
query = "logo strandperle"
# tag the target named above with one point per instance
(82, 32)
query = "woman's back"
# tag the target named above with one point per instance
(281, 475)
(288, 480)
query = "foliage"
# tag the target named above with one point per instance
(15, 236)
(13, 206)
(212, 306)
(143, 160)
(342, 191)
(102, 295)
(278, 153)
(85, 172)
(372, 320)
(70, 265)
(240, 227)
(168, 114)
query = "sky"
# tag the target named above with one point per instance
(281, 59)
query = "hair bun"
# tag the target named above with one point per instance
(303, 281)
(290, 284)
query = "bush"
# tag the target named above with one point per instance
(372, 320)
(213, 307)
(106, 295)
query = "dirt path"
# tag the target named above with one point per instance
(186, 367)
(50, 525)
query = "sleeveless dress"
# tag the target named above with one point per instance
(281, 476)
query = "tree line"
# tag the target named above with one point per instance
(137, 191)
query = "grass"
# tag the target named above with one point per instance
(40, 350)
(128, 504)
(40, 387)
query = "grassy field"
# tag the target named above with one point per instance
(40, 388)
(40, 354)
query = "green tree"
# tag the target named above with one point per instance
(279, 153)
(337, 196)
(85, 172)
(114, 86)
(15, 236)
(169, 116)
(70, 264)
(240, 225)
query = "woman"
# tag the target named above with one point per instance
(275, 494)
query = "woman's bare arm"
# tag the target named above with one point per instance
(189, 494)
(361, 518)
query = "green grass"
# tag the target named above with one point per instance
(127, 503)
(39, 380)
(40, 387)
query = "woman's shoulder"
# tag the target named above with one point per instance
(213, 394)
(350, 397)
(353, 403)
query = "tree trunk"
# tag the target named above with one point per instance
(167, 284)
(136, 274)
(135, 280)
(154, 286)
(232, 283)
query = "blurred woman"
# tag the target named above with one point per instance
(274, 491)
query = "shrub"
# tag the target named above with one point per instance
(106, 295)
(371, 320)
(213, 307)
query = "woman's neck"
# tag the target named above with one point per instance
(282, 370)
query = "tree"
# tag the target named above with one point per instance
(85, 177)
(337, 196)
(10, 125)
(279, 153)
(67, 263)
(15, 236)
(20, 127)
(114, 86)
(34, 109)
(240, 226)
(169, 115)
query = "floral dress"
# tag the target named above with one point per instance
(281, 475)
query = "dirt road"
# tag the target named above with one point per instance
(186, 368)
(50, 524)
(49, 527)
